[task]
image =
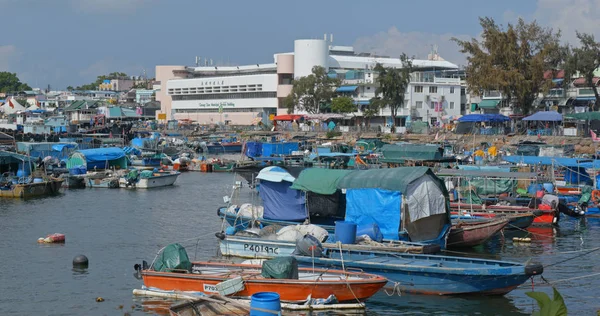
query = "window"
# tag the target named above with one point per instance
(452, 90)
(224, 96)
(451, 105)
(419, 104)
(432, 105)
(418, 89)
(432, 89)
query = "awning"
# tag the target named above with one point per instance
(287, 117)
(489, 103)
(346, 89)
(544, 116)
(484, 118)
(363, 102)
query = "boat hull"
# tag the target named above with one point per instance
(106, 183)
(423, 274)
(258, 248)
(225, 148)
(466, 234)
(290, 290)
(30, 190)
(542, 217)
(162, 180)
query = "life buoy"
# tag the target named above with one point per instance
(596, 196)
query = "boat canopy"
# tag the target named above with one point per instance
(60, 150)
(375, 196)
(320, 181)
(98, 158)
(7, 157)
(280, 201)
(401, 153)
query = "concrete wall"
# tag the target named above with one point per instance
(307, 54)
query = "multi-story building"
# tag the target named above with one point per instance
(241, 94)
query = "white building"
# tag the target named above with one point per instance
(245, 94)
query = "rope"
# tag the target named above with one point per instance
(575, 257)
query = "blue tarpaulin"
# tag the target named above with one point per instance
(103, 154)
(552, 116)
(484, 118)
(577, 175)
(60, 147)
(281, 202)
(368, 206)
(253, 149)
(269, 149)
(557, 161)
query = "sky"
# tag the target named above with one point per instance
(70, 42)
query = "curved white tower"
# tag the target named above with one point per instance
(309, 53)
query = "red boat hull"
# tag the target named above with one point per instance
(542, 217)
(472, 234)
(293, 291)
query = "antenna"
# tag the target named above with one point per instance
(331, 38)
(196, 61)
(325, 36)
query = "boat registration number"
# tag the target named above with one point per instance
(261, 248)
(209, 288)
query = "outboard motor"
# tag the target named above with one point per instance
(139, 268)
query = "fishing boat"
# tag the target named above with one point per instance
(515, 221)
(432, 274)
(23, 184)
(543, 217)
(148, 179)
(473, 232)
(28, 190)
(206, 277)
(408, 204)
(262, 248)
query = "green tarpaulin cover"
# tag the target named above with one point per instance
(403, 152)
(280, 268)
(393, 179)
(484, 186)
(173, 257)
(318, 180)
(585, 116)
(419, 127)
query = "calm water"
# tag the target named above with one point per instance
(117, 228)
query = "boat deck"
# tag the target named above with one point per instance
(253, 273)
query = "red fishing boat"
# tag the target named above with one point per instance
(473, 232)
(543, 217)
(209, 277)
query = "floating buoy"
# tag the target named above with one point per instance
(99, 299)
(525, 239)
(80, 261)
(53, 238)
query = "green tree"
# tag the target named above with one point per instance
(310, 93)
(343, 105)
(9, 82)
(70, 88)
(584, 60)
(512, 61)
(393, 85)
(372, 109)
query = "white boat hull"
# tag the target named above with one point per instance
(162, 180)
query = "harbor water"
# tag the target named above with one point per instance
(117, 228)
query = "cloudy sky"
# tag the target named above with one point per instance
(70, 42)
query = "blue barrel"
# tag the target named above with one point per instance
(372, 230)
(549, 187)
(533, 188)
(345, 232)
(264, 300)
